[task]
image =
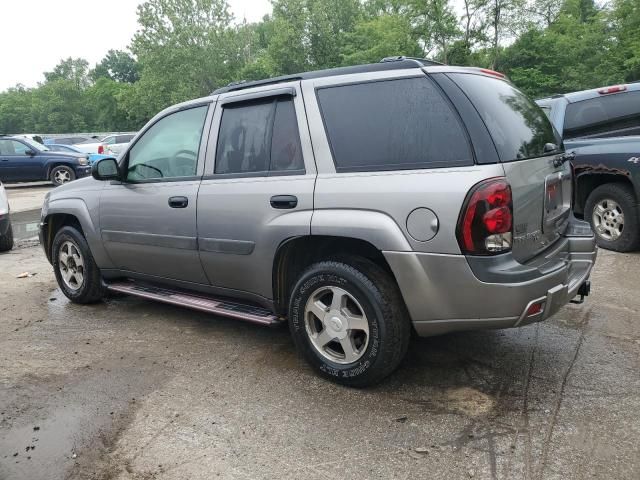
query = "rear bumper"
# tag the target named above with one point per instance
(443, 293)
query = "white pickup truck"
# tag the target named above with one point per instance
(112, 144)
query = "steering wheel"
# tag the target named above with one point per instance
(151, 167)
(182, 153)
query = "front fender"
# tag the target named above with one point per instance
(88, 218)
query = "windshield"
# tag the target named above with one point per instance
(519, 128)
(37, 146)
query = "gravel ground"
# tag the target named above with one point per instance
(130, 389)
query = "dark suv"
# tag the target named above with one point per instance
(24, 160)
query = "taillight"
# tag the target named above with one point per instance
(486, 222)
(100, 149)
(493, 72)
(614, 89)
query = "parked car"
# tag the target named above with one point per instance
(92, 146)
(354, 204)
(31, 136)
(602, 128)
(24, 160)
(117, 143)
(64, 140)
(6, 232)
(93, 157)
(112, 144)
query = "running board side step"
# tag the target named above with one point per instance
(225, 308)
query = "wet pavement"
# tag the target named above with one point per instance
(25, 226)
(130, 389)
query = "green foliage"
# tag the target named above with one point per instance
(184, 49)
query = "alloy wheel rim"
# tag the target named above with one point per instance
(608, 219)
(71, 265)
(336, 325)
(62, 176)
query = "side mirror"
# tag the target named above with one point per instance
(106, 169)
(31, 153)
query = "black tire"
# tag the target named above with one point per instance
(381, 302)
(6, 240)
(91, 289)
(67, 172)
(623, 195)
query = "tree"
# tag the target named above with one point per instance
(436, 24)
(380, 37)
(74, 70)
(117, 65)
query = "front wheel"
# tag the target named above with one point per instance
(611, 209)
(61, 175)
(349, 321)
(77, 274)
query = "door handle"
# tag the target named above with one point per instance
(282, 202)
(178, 202)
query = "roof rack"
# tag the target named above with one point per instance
(388, 63)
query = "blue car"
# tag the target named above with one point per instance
(25, 160)
(93, 157)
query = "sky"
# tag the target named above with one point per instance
(36, 34)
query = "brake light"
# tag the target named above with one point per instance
(614, 89)
(492, 72)
(486, 222)
(100, 149)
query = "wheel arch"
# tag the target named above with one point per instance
(588, 182)
(296, 254)
(74, 213)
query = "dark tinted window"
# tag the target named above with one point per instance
(519, 128)
(392, 125)
(286, 153)
(124, 138)
(259, 137)
(603, 114)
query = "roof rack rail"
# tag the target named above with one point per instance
(388, 63)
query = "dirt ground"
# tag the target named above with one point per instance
(130, 389)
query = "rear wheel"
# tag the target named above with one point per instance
(61, 175)
(6, 240)
(349, 321)
(77, 274)
(611, 209)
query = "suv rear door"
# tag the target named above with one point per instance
(523, 135)
(258, 186)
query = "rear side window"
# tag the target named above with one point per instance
(124, 138)
(259, 138)
(608, 113)
(519, 128)
(392, 125)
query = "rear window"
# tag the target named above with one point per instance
(603, 114)
(519, 128)
(392, 125)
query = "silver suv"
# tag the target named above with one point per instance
(354, 204)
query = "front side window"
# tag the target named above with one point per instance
(13, 147)
(169, 149)
(395, 124)
(259, 138)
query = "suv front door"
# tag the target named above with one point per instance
(148, 221)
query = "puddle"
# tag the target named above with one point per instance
(25, 225)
